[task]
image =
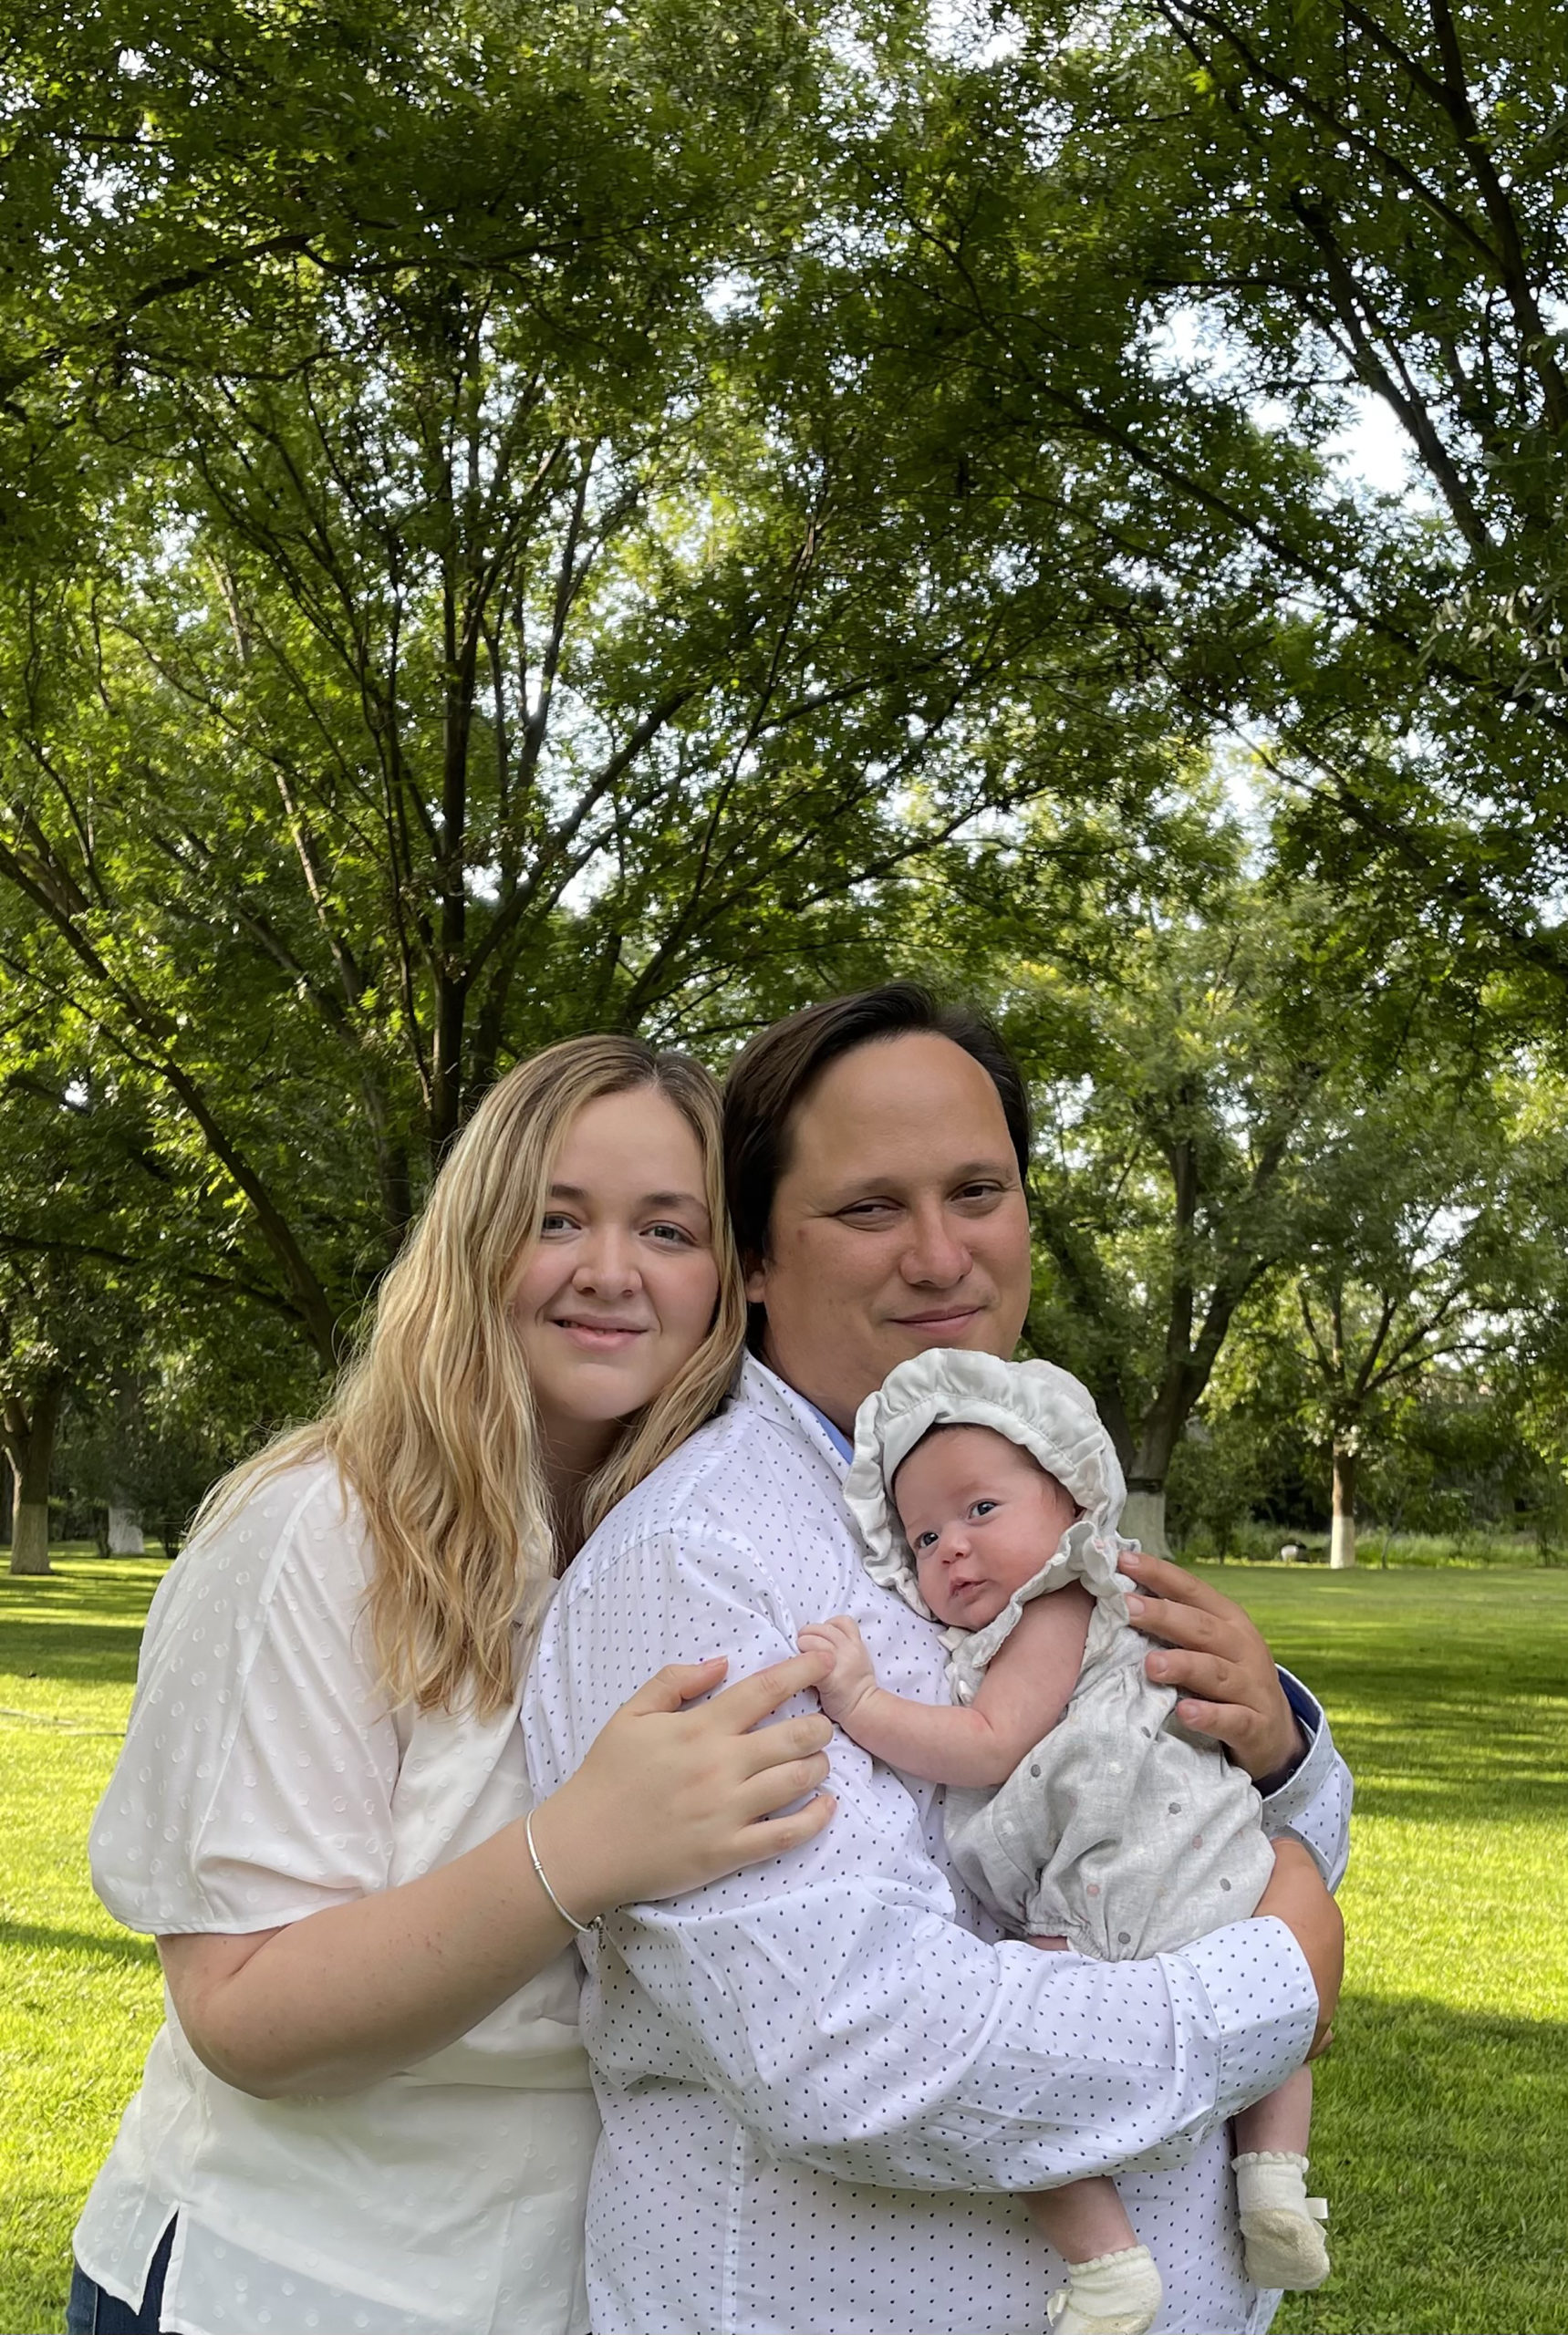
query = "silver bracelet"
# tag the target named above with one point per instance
(571, 1920)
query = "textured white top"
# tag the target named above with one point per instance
(262, 1779)
(815, 2079)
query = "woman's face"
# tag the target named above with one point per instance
(618, 1292)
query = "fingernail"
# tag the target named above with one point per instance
(1157, 1665)
(1134, 1604)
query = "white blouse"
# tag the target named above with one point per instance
(263, 1777)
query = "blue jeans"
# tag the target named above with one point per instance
(90, 2311)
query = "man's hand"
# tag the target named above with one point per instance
(1296, 1896)
(852, 1677)
(1216, 1657)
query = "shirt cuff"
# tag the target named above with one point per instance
(1262, 2007)
(1313, 1802)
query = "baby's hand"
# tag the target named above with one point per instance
(852, 1676)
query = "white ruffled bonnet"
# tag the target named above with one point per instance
(1047, 1410)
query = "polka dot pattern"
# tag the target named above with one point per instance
(821, 2078)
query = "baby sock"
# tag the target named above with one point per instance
(1116, 2294)
(1284, 2245)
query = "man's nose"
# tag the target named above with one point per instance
(934, 1255)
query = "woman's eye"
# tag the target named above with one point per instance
(553, 1223)
(673, 1236)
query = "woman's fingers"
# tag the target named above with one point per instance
(785, 1740)
(773, 1787)
(739, 1707)
(676, 1684)
(775, 1835)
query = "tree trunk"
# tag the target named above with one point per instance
(31, 1453)
(1143, 1519)
(125, 1534)
(1342, 1541)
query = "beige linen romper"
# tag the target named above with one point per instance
(1119, 1831)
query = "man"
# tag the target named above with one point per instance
(818, 2082)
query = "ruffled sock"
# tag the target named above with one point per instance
(1115, 2294)
(1284, 2245)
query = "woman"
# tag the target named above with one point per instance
(368, 2108)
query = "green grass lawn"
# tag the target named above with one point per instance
(1442, 2127)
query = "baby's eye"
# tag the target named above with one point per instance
(981, 1507)
(925, 1540)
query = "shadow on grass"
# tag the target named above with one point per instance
(75, 1654)
(117, 1947)
(1418, 2108)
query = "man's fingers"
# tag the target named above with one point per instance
(1210, 1677)
(1158, 1577)
(1188, 1625)
(1226, 1722)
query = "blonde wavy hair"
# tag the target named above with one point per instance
(433, 1424)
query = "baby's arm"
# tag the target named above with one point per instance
(1023, 1693)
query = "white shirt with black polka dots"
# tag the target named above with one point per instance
(819, 2079)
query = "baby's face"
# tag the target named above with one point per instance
(981, 1517)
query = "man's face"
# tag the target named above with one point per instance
(898, 1225)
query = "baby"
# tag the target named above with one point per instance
(987, 1494)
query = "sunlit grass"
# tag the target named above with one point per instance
(79, 1998)
(1441, 2136)
(1442, 2112)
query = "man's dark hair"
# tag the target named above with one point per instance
(774, 1073)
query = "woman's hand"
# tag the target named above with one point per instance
(1216, 1656)
(1297, 1896)
(669, 1798)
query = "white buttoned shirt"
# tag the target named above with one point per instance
(822, 2088)
(263, 1777)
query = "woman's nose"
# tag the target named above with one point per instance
(607, 1263)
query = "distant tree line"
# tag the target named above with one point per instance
(523, 520)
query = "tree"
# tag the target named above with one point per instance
(1154, 256)
(510, 611)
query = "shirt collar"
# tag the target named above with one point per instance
(835, 1435)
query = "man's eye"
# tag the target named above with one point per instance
(862, 1211)
(980, 1195)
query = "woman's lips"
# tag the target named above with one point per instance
(600, 1337)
